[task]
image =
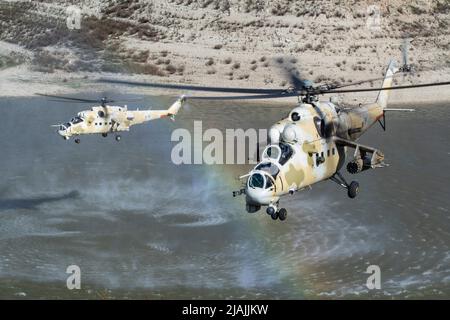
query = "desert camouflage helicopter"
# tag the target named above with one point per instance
(104, 119)
(310, 144)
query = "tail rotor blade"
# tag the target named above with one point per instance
(405, 49)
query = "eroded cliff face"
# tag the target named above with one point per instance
(226, 41)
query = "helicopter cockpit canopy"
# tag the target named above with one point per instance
(268, 167)
(280, 153)
(260, 180)
(64, 126)
(76, 120)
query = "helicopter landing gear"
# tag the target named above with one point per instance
(282, 214)
(66, 138)
(271, 210)
(275, 213)
(352, 188)
(77, 141)
(118, 137)
(104, 134)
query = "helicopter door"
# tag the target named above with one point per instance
(320, 126)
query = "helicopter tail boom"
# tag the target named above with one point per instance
(174, 108)
(171, 112)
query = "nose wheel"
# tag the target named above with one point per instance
(77, 141)
(118, 137)
(276, 214)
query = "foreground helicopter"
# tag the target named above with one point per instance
(310, 144)
(105, 118)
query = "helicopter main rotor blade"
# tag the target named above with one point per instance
(68, 98)
(128, 100)
(193, 87)
(68, 101)
(248, 97)
(387, 88)
(356, 83)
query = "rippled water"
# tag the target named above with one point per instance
(141, 227)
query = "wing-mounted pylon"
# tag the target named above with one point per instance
(364, 157)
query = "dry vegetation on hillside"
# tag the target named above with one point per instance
(227, 40)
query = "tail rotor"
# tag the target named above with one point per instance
(406, 67)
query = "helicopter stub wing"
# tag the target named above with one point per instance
(371, 157)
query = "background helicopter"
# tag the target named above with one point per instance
(310, 144)
(104, 118)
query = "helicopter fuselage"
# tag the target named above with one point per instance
(306, 147)
(105, 119)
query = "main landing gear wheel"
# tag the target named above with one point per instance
(270, 210)
(274, 216)
(104, 134)
(118, 138)
(282, 214)
(77, 141)
(353, 189)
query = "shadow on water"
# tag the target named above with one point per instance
(32, 203)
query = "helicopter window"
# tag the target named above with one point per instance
(68, 124)
(256, 181)
(320, 126)
(295, 116)
(272, 152)
(76, 120)
(286, 153)
(328, 152)
(268, 167)
(269, 183)
(333, 152)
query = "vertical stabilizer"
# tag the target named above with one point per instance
(387, 83)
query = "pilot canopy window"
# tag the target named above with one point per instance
(272, 152)
(280, 153)
(257, 180)
(76, 120)
(286, 153)
(268, 167)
